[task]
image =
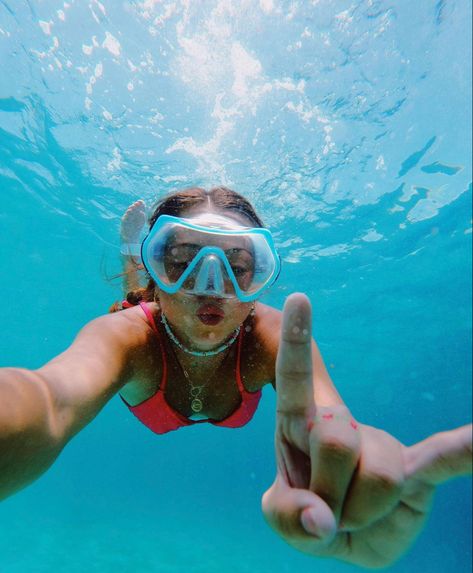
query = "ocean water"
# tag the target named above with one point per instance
(348, 125)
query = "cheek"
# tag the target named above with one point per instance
(170, 305)
(178, 313)
(239, 312)
(180, 309)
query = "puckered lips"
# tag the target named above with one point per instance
(210, 314)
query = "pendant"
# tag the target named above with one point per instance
(196, 405)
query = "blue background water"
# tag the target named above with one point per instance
(348, 124)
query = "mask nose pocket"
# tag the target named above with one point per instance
(209, 278)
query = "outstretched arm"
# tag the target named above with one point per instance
(40, 411)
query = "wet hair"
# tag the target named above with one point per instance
(218, 199)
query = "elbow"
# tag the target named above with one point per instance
(55, 421)
(28, 407)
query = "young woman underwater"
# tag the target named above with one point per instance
(194, 346)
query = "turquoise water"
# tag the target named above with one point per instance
(348, 124)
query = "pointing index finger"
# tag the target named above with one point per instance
(294, 361)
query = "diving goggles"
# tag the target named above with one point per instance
(210, 255)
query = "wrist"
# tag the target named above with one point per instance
(131, 250)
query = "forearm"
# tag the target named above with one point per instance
(30, 436)
(41, 411)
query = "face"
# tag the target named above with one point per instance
(201, 321)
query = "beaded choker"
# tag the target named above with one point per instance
(213, 352)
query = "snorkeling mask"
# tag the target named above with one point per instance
(210, 255)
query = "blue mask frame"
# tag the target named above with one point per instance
(212, 254)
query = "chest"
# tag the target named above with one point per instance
(209, 388)
(220, 394)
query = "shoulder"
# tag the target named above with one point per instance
(128, 328)
(261, 346)
(267, 328)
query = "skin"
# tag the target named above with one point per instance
(342, 489)
(133, 221)
(259, 351)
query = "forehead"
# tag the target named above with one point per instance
(201, 210)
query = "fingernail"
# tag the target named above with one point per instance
(309, 522)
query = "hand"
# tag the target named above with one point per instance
(132, 222)
(342, 489)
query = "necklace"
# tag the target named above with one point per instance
(195, 392)
(221, 348)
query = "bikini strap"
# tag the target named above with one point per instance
(149, 316)
(239, 381)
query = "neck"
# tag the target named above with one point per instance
(212, 352)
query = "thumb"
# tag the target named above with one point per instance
(297, 514)
(440, 457)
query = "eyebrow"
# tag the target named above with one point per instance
(171, 245)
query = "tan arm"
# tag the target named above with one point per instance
(132, 267)
(29, 436)
(40, 411)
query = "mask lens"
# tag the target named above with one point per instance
(177, 258)
(242, 264)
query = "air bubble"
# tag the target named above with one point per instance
(296, 330)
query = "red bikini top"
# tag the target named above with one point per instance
(160, 417)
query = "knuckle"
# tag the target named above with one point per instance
(266, 502)
(293, 374)
(269, 500)
(340, 410)
(270, 511)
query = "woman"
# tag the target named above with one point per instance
(193, 347)
(217, 347)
